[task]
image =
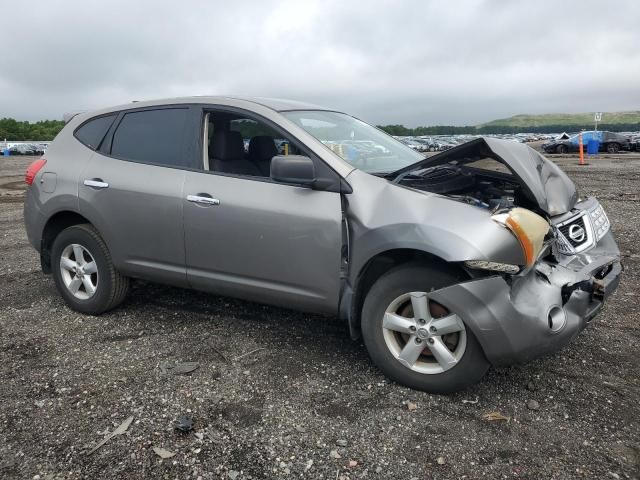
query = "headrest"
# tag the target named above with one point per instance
(262, 148)
(226, 145)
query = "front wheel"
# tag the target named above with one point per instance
(416, 341)
(84, 273)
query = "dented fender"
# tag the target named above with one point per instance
(385, 216)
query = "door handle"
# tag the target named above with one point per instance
(96, 183)
(201, 200)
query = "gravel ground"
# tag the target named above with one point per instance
(286, 394)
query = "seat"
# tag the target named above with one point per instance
(226, 154)
(262, 148)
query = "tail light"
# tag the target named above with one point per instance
(33, 169)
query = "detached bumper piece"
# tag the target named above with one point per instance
(520, 318)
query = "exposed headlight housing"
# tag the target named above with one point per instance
(493, 266)
(529, 228)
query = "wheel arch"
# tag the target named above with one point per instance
(52, 228)
(356, 291)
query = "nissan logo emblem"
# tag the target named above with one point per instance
(576, 233)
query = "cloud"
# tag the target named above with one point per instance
(412, 62)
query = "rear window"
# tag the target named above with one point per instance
(152, 136)
(92, 132)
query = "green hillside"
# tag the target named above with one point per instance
(547, 119)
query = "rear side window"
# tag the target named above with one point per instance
(152, 136)
(92, 132)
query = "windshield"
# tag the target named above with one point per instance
(360, 144)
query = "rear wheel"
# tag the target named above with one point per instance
(613, 148)
(84, 273)
(416, 341)
(562, 149)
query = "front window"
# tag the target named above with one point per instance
(360, 144)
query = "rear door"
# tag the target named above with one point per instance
(132, 191)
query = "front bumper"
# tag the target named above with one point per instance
(518, 318)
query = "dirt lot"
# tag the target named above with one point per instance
(286, 394)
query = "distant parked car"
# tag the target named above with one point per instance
(38, 149)
(610, 142)
(427, 144)
(22, 149)
(413, 144)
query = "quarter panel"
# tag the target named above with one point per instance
(65, 157)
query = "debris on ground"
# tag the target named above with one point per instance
(341, 443)
(247, 354)
(471, 401)
(182, 368)
(162, 453)
(533, 405)
(411, 406)
(184, 424)
(122, 428)
(494, 417)
(441, 461)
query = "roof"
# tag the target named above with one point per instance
(276, 104)
(280, 104)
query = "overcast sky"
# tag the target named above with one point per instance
(412, 62)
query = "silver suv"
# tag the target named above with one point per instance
(481, 255)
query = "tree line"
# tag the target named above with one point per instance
(401, 130)
(43, 130)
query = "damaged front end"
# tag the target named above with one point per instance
(571, 261)
(520, 317)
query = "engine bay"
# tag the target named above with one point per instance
(493, 174)
(491, 190)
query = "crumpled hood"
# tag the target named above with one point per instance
(543, 180)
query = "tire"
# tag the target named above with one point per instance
(562, 149)
(95, 292)
(613, 147)
(425, 375)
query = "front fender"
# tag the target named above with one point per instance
(383, 216)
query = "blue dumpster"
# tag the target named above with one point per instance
(6, 152)
(592, 146)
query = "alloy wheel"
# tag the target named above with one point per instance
(79, 271)
(422, 335)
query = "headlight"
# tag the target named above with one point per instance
(599, 221)
(494, 266)
(529, 228)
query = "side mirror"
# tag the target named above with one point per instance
(296, 169)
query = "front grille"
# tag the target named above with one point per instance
(593, 222)
(578, 227)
